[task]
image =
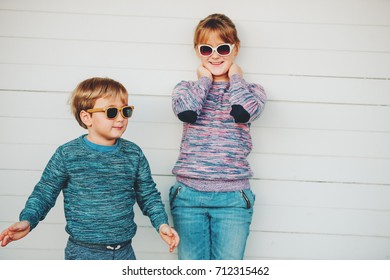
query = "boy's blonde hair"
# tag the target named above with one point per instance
(219, 23)
(87, 92)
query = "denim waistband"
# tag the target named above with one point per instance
(112, 247)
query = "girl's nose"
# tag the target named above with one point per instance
(215, 54)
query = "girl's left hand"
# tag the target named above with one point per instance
(235, 69)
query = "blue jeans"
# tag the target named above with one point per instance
(77, 251)
(211, 225)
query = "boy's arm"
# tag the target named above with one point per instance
(150, 203)
(46, 191)
(188, 98)
(148, 197)
(247, 100)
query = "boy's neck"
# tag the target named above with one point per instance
(99, 141)
(99, 147)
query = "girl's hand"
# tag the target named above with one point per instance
(14, 232)
(170, 236)
(201, 71)
(235, 69)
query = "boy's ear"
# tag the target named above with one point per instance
(86, 118)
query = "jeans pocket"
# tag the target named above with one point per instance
(249, 198)
(173, 193)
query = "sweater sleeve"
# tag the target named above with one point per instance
(188, 98)
(247, 99)
(46, 191)
(148, 197)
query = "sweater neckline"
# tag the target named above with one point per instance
(97, 147)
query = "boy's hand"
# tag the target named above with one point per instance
(15, 232)
(235, 69)
(170, 236)
(201, 71)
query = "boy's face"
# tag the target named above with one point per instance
(217, 65)
(102, 130)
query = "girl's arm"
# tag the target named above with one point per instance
(188, 98)
(247, 100)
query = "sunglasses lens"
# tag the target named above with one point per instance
(205, 50)
(223, 49)
(127, 111)
(112, 112)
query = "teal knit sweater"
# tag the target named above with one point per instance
(99, 189)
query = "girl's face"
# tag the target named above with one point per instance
(102, 130)
(217, 65)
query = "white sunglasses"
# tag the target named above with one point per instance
(222, 49)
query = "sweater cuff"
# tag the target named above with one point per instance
(205, 83)
(163, 219)
(236, 79)
(33, 222)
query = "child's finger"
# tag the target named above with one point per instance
(6, 240)
(3, 234)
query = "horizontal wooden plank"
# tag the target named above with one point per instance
(156, 30)
(158, 109)
(179, 57)
(259, 246)
(54, 79)
(96, 54)
(326, 90)
(9, 253)
(319, 169)
(321, 221)
(325, 116)
(267, 218)
(315, 63)
(264, 166)
(358, 12)
(264, 245)
(64, 79)
(20, 183)
(270, 245)
(96, 27)
(321, 195)
(265, 140)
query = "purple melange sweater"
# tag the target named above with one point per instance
(216, 142)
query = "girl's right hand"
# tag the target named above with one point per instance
(201, 71)
(14, 232)
(235, 69)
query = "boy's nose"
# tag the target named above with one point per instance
(119, 117)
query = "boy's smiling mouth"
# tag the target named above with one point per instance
(117, 127)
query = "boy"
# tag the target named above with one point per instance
(101, 176)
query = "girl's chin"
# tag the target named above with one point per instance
(220, 76)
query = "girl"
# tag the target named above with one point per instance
(211, 202)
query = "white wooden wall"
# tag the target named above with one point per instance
(321, 153)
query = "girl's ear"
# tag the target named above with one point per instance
(86, 118)
(236, 49)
